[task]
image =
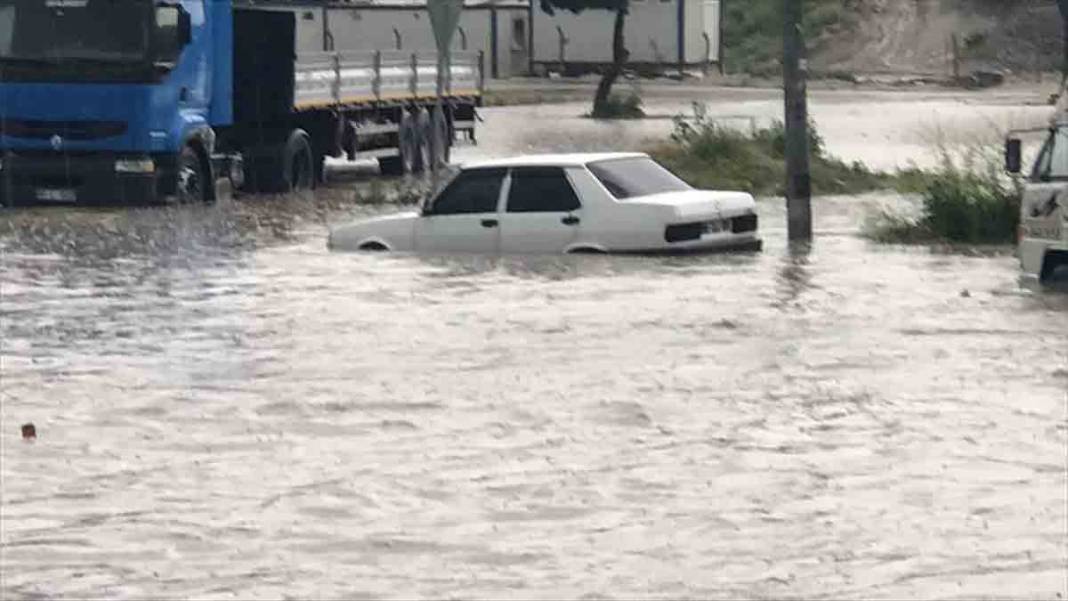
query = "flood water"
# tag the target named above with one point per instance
(224, 409)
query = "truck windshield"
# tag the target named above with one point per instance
(634, 177)
(55, 30)
(1052, 163)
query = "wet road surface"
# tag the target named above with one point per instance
(224, 409)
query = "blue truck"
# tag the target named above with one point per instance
(105, 101)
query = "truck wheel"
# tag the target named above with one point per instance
(298, 168)
(421, 159)
(282, 167)
(440, 138)
(407, 136)
(192, 185)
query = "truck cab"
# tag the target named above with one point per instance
(1043, 233)
(153, 100)
(109, 100)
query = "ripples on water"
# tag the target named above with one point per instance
(226, 409)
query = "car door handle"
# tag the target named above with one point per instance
(489, 223)
(570, 220)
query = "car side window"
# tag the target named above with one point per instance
(541, 190)
(473, 191)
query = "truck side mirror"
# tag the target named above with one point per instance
(185, 27)
(1013, 155)
(174, 31)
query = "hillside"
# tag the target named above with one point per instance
(900, 36)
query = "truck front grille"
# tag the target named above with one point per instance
(68, 130)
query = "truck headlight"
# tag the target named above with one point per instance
(135, 166)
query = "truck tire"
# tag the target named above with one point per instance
(441, 140)
(298, 168)
(421, 159)
(407, 136)
(193, 180)
(282, 168)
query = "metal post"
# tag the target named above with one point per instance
(955, 50)
(563, 44)
(376, 83)
(336, 87)
(708, 53)
(798, 179)
(442, 66)
(415, 75)
(481, 71)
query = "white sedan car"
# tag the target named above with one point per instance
(599, 203)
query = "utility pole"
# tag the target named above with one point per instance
(798, 179)
(1063, 5)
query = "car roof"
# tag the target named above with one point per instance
(578, 159)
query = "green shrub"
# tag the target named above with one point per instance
(959, 206)
(710, 155)
(620, 106)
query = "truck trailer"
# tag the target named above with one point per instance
(159, 100)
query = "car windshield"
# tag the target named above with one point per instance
(1052, 164)
(634, 177)
(54, 30)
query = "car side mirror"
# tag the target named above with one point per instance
(1013, 155)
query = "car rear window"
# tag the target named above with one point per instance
(634, 177)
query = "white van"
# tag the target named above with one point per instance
(1043, 235)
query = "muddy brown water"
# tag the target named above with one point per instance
(225, 409)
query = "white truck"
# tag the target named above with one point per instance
(1043, 234)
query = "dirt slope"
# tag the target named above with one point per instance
(913, 36)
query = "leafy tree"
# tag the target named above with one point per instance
(619, 50)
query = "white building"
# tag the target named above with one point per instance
(658, 34)
(516, 37)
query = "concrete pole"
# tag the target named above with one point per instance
(798, 180)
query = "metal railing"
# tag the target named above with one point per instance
(326, 78)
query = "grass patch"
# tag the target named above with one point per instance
(959, 206)
(709, 155)
(620, 106)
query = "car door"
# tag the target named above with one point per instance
(542, 213)
(463, 218)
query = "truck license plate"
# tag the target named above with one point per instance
(56, 195)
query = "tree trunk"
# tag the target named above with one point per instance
(1063, 5)
(1064, 65)
(619, 59)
